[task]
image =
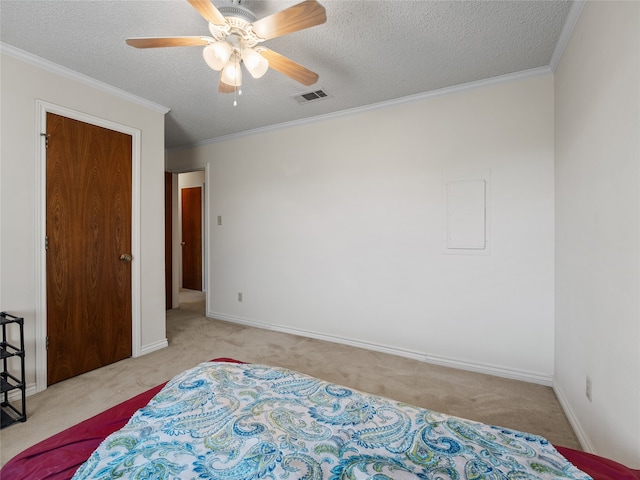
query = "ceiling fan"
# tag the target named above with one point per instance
(236, 37)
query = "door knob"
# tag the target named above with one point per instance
(183, 243)
(125, 257)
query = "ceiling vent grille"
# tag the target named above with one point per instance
(310, 97)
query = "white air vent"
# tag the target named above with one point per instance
(312, 96)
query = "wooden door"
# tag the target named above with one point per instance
(88, 228)
(192, 238)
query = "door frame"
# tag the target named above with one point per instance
(42, 108)
(177, 233)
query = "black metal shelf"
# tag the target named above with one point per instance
(10, 414)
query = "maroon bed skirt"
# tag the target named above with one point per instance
(58, 457)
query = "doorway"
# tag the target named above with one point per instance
(88, 246)
(191, 215)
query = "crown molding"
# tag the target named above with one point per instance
(565, 34)
(510, 77)
(79, 77)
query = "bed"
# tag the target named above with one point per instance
(225, 419)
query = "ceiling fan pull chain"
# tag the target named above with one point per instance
(235, 93)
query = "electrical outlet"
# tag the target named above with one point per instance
(239, 296)
(588, 388)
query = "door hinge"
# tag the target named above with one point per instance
(47, 343)
(46, 242)
(46, 139)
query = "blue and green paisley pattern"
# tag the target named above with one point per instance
(226, 421)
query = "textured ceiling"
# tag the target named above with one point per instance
(369, 51)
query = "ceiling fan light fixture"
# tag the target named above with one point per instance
(256, 64)
(231, 73)
(235, 34)
(217, 54)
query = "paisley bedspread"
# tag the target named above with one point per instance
(242, 421)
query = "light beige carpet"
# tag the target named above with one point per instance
(193, 338)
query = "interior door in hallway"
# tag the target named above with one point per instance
(88, 228)
(192, 238)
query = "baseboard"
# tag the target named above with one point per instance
(498, 371)
(152, 347)
(16, 395)
(32, 389)
(239, 320)
(573, 420)
(400, 352)
(495, 370)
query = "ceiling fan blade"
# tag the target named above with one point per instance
(288, 67)
(208, 11)
(298, 17)
(225, 87)
(155, 42)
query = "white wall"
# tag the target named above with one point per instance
(21, 84)
(597, 90)
(335, 229)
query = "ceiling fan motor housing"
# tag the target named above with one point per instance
(239, 12)
(238, 23)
